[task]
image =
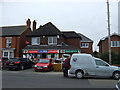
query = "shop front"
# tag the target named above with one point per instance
(54, 54)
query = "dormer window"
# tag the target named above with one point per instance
(52, 40)
(36, 41)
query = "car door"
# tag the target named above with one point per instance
(102, 68)
(24, 62)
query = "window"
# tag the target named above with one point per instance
(100, 63)
(52, 40)
(115, 43)
(8, 42)
(5, 54)
(36, 41)
(84, 45)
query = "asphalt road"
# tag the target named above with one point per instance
(30, 79)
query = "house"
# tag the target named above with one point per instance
(86, 44)
(115, 44)
(49, 42)
(13, 40)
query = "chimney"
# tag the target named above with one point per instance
(34, 25)
(28, 22)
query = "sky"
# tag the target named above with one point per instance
(88, 17)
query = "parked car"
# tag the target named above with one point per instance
(19, 63)
(44, 65)
(87, 65)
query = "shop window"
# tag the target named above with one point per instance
(52, 40)
(8, 42)
(115, 43)
(36, 41)
(84, 45)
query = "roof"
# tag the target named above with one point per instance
(84, 38)
(12, 30)
(46, 30)
(71, 34)
(104, 38)
(51, 47)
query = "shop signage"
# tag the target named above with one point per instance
(32, 51)
(68, 51)
(25, 51)
(40, 51)
(53, 51)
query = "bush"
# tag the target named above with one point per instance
(114, 56)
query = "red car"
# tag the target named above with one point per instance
(44, 65)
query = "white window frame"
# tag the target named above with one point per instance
(35, 40)
(115, 43)
(8, 42)
(53, 40)
(84, 45)
(10, 53)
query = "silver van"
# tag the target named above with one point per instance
(87, 65)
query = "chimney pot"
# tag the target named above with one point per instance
(34, 25)
(28, 22)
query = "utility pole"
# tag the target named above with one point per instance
(109, 41)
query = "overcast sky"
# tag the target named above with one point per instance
(88, 17)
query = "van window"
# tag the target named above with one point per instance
(100, 63)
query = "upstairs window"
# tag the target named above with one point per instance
(84, 45)
(52, 40)
(36, 41)
(115, 43)
(8, 42)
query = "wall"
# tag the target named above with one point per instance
(104, 45)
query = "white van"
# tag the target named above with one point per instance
(87, 65)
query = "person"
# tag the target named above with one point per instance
(66, 67)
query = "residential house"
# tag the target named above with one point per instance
(86, 44)
(115, 44)
(49, 42)
(13, 40)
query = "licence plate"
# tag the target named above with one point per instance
(39, 67)
(11, 64)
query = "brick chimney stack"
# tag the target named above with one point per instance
(34, 25)
(28, 22)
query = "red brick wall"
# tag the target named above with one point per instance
(74, 42)
(104, 45)
(88, 50)
(18, 42)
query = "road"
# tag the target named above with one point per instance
(30, 79)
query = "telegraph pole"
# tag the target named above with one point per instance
(109, 41)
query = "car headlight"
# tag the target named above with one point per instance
(35, 66)
(44, 66)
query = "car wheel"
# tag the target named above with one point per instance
(22, 67)
(35, 70)
(79, 74)
(116, 75)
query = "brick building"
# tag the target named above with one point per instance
(86, 44)
(13, 40)
(49, 42)
(115, 44)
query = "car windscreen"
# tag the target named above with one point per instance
(43, 61)
(13, 60)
